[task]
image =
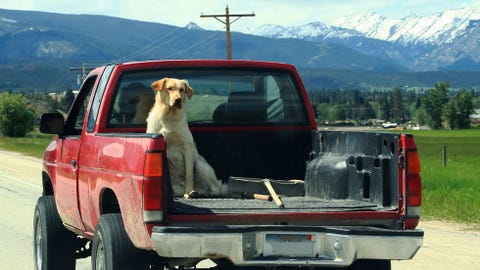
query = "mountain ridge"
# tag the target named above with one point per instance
(438, 28)
(37, 49)
(408, 41)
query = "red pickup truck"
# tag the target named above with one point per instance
(342, 199)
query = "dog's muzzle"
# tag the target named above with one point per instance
(177, 103)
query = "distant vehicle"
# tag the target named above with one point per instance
(298, 197)
(389, 125)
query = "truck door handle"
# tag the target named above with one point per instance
(74, 163)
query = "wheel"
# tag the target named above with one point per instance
(371, 264)
(53, 245)
(224, 264)
(357, 265)
(112, 248)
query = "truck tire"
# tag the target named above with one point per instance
(112, 249)
(53, 245)
(371, 264)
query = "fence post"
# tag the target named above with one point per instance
(444, 156)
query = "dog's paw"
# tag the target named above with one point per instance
(191, 194)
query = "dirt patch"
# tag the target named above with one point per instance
(451, 226)
(446, 245)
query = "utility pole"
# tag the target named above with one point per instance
(84, 70)
(227, 23)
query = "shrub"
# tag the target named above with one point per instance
(16, 119)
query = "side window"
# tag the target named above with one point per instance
(272, 89)
(132, 102)
(292, 105)
(76, 116)
(97, 99)
(275, 107)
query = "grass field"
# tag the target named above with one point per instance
(32, 145)
(449, 193)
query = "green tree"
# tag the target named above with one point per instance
(434, 103)
(450, 114)
(322, 112)
(383, 107)
(465, 108)
(338, 112)
(458, 110)
(396, 103)
(421, 116)
(366, 111)
(16, 119)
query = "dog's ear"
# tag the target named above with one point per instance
(188, 89)
(158, 85)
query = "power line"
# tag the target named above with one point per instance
(155, 44)
(227, 23)
(84, 68)
(178, 52)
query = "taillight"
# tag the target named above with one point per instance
(152, 190)
(153, 164)
(413, 183)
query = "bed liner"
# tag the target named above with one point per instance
(292, 204)
(291, 193)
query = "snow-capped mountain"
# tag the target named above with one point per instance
(312, 32)
(421, 43)
(436, 29)
(193, 26)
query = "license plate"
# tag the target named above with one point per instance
(289, 245)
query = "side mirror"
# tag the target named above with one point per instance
(52, 123)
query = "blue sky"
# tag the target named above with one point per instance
(282, 12)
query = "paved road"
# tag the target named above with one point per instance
(446, 246)
(17, 200)
(20, 187)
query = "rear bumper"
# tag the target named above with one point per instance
(287, 245)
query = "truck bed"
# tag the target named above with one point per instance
(344, 171)
(292, 204)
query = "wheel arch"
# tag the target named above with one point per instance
(47, 186)
(109, 202)
(113, 201)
